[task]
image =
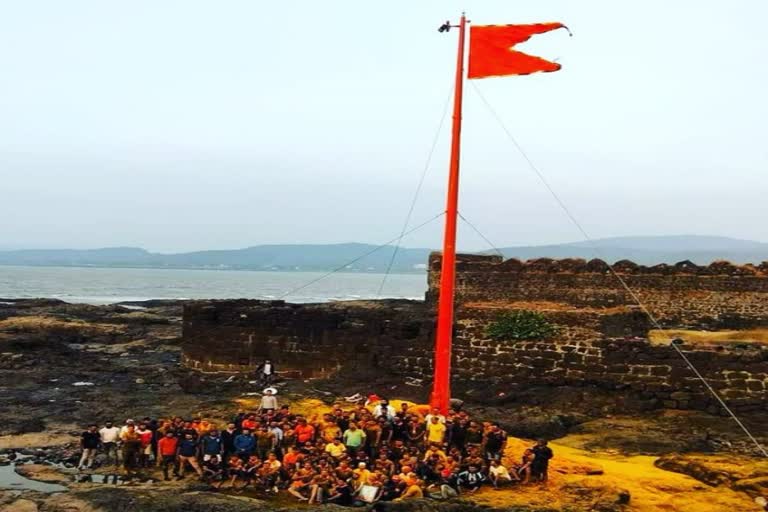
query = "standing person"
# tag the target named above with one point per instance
(228, 442)
(354, 439)
(435, 430)
(269, 400)
(494, 441)
(244, 444)
(109, 437)
(266, 372)
(188, 455)
(383, 409)
(167, 448)
(540, 465)
(131, 447)
(265, 442)
(145, 435)
(89, 442)
(211, 445)
(277, 447)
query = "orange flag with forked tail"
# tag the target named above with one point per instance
(492, 52)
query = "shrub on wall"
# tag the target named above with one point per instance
(521, 325)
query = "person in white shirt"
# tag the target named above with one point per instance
(383, 409)
(269, 400)
(500, 474)
(435, 412)
(110, 435)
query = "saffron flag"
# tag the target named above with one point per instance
(492, 53)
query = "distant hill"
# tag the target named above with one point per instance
(646, 250)
(650, 250)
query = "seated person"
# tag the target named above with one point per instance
(471, 479)
(499, 474)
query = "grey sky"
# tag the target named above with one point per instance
(189, 124)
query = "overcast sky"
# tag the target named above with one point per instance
(181, 125)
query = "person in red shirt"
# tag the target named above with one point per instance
(166, 450)
(250, 423)
(145, 435)
(304, 432)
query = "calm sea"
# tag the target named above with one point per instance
(108, 285)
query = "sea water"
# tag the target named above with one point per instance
(109, 285)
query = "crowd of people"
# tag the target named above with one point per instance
(353, 455)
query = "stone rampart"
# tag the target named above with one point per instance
(601, 339)
(720, 295)
(313, 340)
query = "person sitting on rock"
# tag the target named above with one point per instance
(89, 442)
(499, 474)
(413, 491)
(213, 471)
(471, 479)
(524, 469)
(266, 372)
(540, 465)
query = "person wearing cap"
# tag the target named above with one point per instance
(269, 400)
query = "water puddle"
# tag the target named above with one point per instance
(9, 479)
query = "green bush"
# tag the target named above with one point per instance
(521, 325)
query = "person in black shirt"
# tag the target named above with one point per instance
(540, 465)
(188, 455)
(457, 434)
(341, 493)
(495, 441)
(228, 441)
(89, 441)
(471, 479)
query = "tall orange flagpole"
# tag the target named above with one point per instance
(441, 387)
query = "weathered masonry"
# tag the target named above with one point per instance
(602, 338)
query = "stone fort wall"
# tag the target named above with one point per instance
(720, 295)
(602, 338)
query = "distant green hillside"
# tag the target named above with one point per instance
(644, 250)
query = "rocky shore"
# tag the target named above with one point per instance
(63, 366)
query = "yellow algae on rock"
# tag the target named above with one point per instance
(575, 483)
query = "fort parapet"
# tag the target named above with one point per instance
(602, 338)
(720, 295)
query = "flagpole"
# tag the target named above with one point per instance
(441, 387)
